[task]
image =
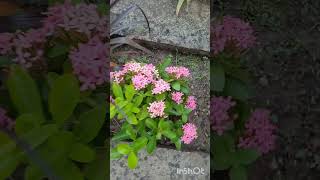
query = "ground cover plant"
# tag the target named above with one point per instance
(241, 133)
(53, 92)
(150, 104)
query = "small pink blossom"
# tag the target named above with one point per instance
(177, 97)
(5, 121)
(189, 133)
(178, 71)
(132, 67)
(156, 109)
(140, 81)
(232, 30)
(219, 114)
(117, 76)
(89, 62)
(259, 133)
(191, 103)
(160, 86)
(6, 43)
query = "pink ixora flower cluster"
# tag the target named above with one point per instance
(189, 133)
(259, 133)
(5, 121)
(191, 103)
(89, 62)
(160, 86)
(178, 71)
(177, 97)
(232, 30)
(156, 109)
(83, 18)
(26, 47)
(219, 114)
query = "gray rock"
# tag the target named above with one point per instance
(164, 164)
(190, 29)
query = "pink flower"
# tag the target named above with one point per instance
(259, 133)
(149, 70)
(160, 86)
(219, 114)
(6, 43)
(177, 97)
(89, 63)
(178, 72)
(5, 121)
(132, 67)
(140, 81)
(117, 76)
(191, 103)
(83, 18)
(232, 30)
(189, 133)
(156, 109)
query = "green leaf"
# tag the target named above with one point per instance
(238, 173)
(117, 90)
(5, 61)
(10, 157)
(223, 151)
(33, 173)
(217, 77)
(23, 91)
(143, 114)
(246, 156)
(113, 111)
(184, 118)
(103, 8)
(164, 125)
(179, 5)
(161, 96)
(132, 160)
(138, 100)
(176, 85)
(90, 123)
(237, 89)
(98, 169)
(135, 110)
(130, 92)
(166, 62)
(27, 122)
(178, 144)
(185, 90)
(169, 134)
(63, 98)
(151, 146)
(82, 153)
(131, 132)
(123, 149)
(139, 143)
(114, 154)
(121, 135)
(150, 123)
(58, 50)
(132, 119)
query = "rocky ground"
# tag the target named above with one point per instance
(286, 66)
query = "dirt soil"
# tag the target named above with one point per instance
(286, 66)
(199, 84)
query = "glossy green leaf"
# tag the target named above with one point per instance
(176, 85)
(131, 132)
(23, 91)
(121, 135)
(237, 89)
(138, 100)
(177, 143)
(169, 134)
(132, 119)
(123, 148)
(223, 152)
(82, 153)
(114, 154)
(151, 146)
(33, 173)
(246, 156)
(238, 173)
(132, 160)
(217, 77)
(98, 169)
(27, 122)
(139, 143)
(150, 123)
(129, 92)
(63, 97)
(90, 123)
(143, 114)
(117, 90)
(113, 111)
